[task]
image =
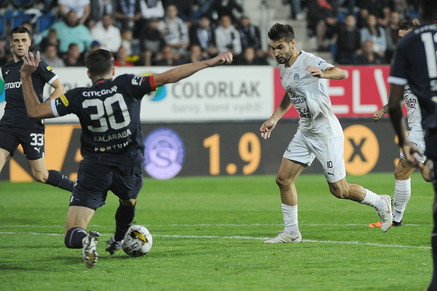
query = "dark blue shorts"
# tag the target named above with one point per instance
(31, 139)
(95, 180)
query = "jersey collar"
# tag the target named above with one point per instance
(100, 81)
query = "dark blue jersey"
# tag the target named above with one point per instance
(415, 64)
(109, 113)
(15, 111)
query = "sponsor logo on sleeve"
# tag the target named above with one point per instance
(64, 100)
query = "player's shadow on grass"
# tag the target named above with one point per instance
(72, 260)
(18, 268)
(32, 247)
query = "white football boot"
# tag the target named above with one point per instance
(386, 214)
(282, 237)
(89, 250)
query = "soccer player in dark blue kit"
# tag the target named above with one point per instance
(111, 142)
(415, 64)
(15, 126)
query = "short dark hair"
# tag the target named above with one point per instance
(99, 62)
(19, 29)
(72, 45)
(279, 31)
(407, 25)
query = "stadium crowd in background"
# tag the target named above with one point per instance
(146, 28)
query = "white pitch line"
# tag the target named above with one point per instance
(242, 237)
(209, 225)
(305, 240)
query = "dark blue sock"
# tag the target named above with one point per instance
(73, 238)
(56, 179)
(123, 218)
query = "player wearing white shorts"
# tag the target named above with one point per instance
(319, 134)
(403, 170)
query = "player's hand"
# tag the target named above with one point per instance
(413, 155)
(30, 63)
(377, 115)
(315, 71)
(221, 59)
(267, 128)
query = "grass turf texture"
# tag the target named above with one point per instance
(196, 223)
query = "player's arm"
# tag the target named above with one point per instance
(268, 126)
(184, 71)
(395, 111)
(59, 89)
(377, 115)
(34, 108)
(333, 73)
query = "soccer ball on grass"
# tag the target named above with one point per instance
(138, 241)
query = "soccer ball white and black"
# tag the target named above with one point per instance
(137, 241)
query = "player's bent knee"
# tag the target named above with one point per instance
(73, 238)
(40, 176)
(128, 203)
(283, 182)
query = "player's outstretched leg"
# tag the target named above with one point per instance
(123, 218)
(57, 179)
(355, 192)
(89, 250)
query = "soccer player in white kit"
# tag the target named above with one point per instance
(403, 170)
(319, 134)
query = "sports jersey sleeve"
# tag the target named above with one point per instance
(46, 72)
(138, 85)
(61, 106)
(320, 63)
(399, 67)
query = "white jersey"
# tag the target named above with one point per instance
(414, 116)
(414, 119)
(308, 95)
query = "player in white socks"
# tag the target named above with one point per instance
(319, 134)
(403, 170)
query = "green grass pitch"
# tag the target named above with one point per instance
(208, 235)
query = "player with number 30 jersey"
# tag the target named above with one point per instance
(107, 139)
(111, 141)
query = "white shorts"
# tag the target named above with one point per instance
(417, 139)
(329, 151)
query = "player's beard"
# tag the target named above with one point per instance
(283, 60)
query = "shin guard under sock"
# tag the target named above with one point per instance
(73, 238)
(123, 218)
(56, 179)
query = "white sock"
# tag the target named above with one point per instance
(370, 198)
(289, 213)
(401, 197)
